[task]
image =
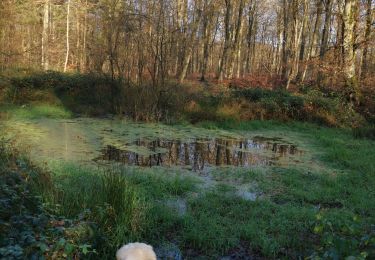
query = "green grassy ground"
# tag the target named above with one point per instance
(332, 210)
(35, 111)
(327, 211)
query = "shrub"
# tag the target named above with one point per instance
(27, 230)
(155, 103)
(277, 103)
(312, 105)
(91, 94)
(77, 92)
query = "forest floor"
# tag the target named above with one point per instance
(317, 202)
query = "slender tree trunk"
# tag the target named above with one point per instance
(298, 30)
(179, 31)
(285, 49)
(237, 39)
(303, 39)
(206, 41)
(238, 56)
(317, 27)
(45, 36)
(280, 40)
(84, 54)
(67, 36)
(364, 59)
(325, 36)
(349, 68)
(315, 37)
(227, 40)
(326, 28)
(78, 41)
(190, 45)
(250, 32)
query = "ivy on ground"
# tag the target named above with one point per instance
(27, 229)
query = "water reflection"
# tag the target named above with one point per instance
(200, 153)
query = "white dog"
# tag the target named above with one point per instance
(136, 251)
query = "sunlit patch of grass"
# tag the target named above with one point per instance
(160, 183)
(217, 224)
(342, 187)
(36, 111)
(124, 203)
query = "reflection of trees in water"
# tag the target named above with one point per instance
(200, 153)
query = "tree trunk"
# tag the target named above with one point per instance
(297, 32)
(364, 61)
(315, 37)
(67, 36)
(303, 39)
(227, 40)
(84, 54)
(349, 68)
(237, 40)
(285, 49)
(250, 32)
(45, 38)
(325, 36)
(206, 41)
(190, 44)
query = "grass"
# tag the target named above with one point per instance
(122, 203)
(279, 224)
(318, 212)
(216, 225)
(322, 212)
(345, 193)
(117, 207)
(35, 111)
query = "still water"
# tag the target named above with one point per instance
(148, 145)
(200, 153)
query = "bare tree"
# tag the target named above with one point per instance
(153, 40)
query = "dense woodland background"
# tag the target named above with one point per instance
(297, 40)
(287, 44)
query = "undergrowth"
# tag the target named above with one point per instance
(27, 229)
(98, 95)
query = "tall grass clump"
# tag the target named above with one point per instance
(103, 197)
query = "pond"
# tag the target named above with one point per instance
(200, 153)
(148, 145)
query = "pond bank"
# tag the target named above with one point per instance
(300, 210)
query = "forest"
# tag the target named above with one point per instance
(209, 129)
